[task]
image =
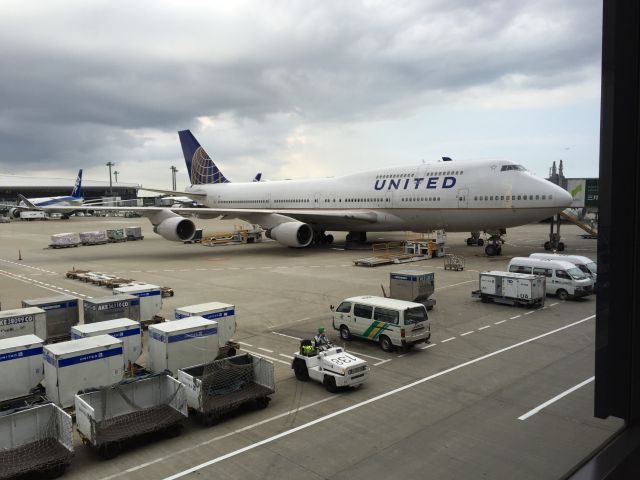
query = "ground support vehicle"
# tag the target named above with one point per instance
(222, 386)
(453, 262)
(390, 322)
(110, 418)
(332, 366)
(512, 288)
(36, 440)
(564, 279)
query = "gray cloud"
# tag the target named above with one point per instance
(77, 83)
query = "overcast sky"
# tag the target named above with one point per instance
(297, 89)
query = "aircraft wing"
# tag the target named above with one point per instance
(259, 215)
(197, 196)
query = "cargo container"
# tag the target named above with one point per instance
(150, 298)
(80, 364)
(112, 417)
(108, 308)
(223, 313)
(62, 240)
(23, 321)
(413, 286)
(222, 386)
(35, 441)
(21, 363)
(124, 329)
(133, 233)
(176, 345)
(62, 314)
(98, 237)
(512, 288)
(116, 235)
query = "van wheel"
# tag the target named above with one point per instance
(300, 370)
(345, 334)
(385, 343)
(562, 294)
(330, 384)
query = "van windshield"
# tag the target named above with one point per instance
(415, 315)
(593, 268)
(576, 273)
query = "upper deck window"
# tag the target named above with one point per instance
(518, 168)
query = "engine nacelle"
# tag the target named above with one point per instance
(292, 234)
(14, 212)
(176, 229)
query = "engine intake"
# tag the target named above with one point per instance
(176, 229)
(292, 234)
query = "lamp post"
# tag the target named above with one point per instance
(115, 174)
(174, 170)
(110, 164)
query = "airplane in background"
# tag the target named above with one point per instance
(48, 203)
(466, 196)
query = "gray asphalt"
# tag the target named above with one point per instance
(449, 411)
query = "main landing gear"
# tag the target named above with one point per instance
(358, 237)
(322, 238)
(495, 240)
(475, 240)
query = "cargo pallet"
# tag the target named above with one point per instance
(51, 245)
(88, 244)
(453, 262)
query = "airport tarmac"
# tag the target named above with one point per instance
(501, 392)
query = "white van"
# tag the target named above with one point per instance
(564, 279)
(588, 266)
(385, 320)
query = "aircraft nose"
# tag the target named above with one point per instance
(563, 198)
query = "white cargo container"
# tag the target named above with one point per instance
(21, 362)
(62, 314)
(37, 440)
(124, 329)
(150, 298)
(23, 321)
(512, 288)
(223, 313)
(80, 364)
(176, 345)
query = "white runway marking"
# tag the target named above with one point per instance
(486, 326)
(265, 350)
(529, 312)
(456, 284)
(383, 361)
(273, 359)
(285, 335)
(517, 316)
(553, 304)
(428, 346)
(448, 339)
(286, 356)
(245, 344)
(530, 413)
(467, 333)
(368, 356)
(395, 391)
(498, 323)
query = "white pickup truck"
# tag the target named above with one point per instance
(331, 366)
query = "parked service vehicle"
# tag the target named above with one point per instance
(390, 322)
(588, 266)
(330, 365)
(511, 288)
(564, 279)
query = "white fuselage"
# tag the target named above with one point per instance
(455, 196)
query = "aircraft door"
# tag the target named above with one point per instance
(463, 201)
(317, 198)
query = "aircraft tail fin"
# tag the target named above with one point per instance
(201, 168)
(27, 202)
(77, 189)
(258, 177)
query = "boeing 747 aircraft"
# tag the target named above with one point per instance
(454, 196)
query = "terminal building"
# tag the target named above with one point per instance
(35, 187)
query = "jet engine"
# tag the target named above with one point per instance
(14, 212)
(176, 229)
(292, 234)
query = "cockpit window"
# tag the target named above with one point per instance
(518, 168)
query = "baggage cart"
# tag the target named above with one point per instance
(512, 288)
(217, 388)
(36, 440)
(21, 363)
(62, 314)
(110, 418)
(453, 262)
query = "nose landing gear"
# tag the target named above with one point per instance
(495, 240)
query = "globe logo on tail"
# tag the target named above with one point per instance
(202, 168)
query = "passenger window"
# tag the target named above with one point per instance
(562, 274)
(386, 315)
(362, 311)
(344, 307)
(542, 271)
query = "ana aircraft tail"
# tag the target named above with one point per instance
(258, 177)
(201, 168)
(77, 189)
